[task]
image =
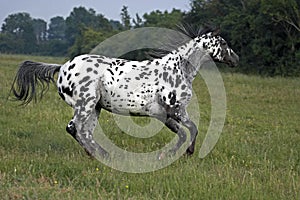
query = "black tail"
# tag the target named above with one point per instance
(31, 74)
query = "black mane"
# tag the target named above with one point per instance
(183, 33)
(186, 32)
(193, 31)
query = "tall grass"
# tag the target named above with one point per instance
(257, 156)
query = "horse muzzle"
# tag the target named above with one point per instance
(233, 60)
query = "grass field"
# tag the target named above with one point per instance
(256, 157)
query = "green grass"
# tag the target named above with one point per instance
(256, 157)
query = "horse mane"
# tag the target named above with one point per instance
(194, 31)
(185, 32)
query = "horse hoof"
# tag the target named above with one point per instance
(90, 156)
(189, 152)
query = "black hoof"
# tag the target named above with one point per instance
(71, 129)
(89, 155)
(189, 152)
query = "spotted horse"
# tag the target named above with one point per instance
(159, 88)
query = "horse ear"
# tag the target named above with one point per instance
(216, 32)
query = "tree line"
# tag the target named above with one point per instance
(265, 33)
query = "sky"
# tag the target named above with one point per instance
(110, 9)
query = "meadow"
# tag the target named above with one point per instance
(256, 157)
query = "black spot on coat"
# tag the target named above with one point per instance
(111, 72)
(84, 79)
(67, 91)
(71, 67)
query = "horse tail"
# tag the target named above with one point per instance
(29, 76)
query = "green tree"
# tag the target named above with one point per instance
(81, 18)
(88, 39)
(138, 21)
(56, 44)
(19, 32)
(57, 28)
(287, 14)
(163, 19)
(263, 32)
(8, 44)
(40, 30)
(116, 25)
(125, 18)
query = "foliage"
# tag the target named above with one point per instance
(125, 18)
(163, 19)
(81, 18)
(265, 33)
(18, 29)
(57, 28)
(257, 156)
(138, 21)
(39, 30)
(87, 40)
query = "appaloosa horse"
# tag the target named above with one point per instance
(159, 88)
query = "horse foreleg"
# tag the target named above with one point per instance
(174, 126)
(194, 132)
(183, 117)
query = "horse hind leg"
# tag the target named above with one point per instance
(71, 129)
(81, 127)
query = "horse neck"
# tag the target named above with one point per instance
(191, 57)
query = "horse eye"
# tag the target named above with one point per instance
(223, 43)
